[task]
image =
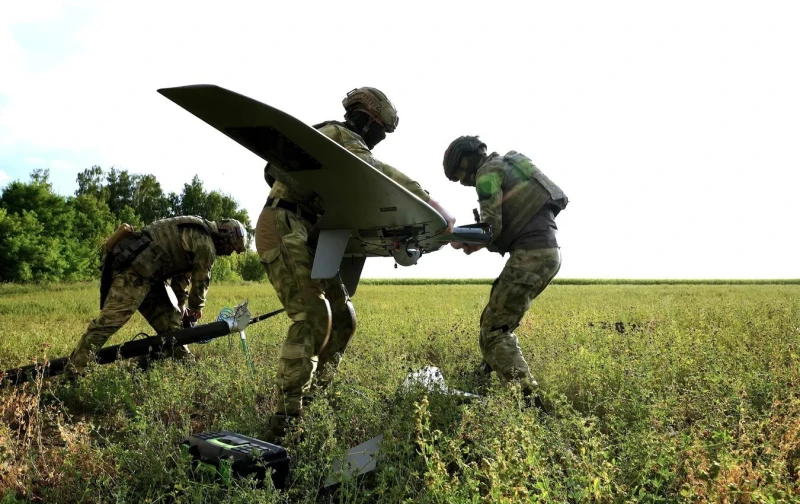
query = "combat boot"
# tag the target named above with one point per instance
(279, 426)
(483, 369)
(182, 354)
(530, 394)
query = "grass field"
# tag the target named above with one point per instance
(655, 393)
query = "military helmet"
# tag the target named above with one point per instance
(234, 232)
(375, 104)
(458, 148)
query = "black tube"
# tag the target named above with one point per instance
(152, 346)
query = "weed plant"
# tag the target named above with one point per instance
(652, 393)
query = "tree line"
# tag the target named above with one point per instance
(48, 237)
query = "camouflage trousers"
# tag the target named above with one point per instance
(323, 318)
(129, 292)
(526, 274)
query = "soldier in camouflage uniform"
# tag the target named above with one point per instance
(323, 317)
(150, 272)
(521, 204)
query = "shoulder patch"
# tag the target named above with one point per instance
(488, 185)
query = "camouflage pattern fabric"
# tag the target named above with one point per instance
(509, 200)
(526, 274)
(129, 292)
(200, 248)
(162, 308)
(322, 318)
(192, 252)
(310, 350)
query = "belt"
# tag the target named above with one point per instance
(293, 207)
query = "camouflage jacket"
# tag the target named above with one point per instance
(181, 247)
(355, 144)
(200, 249)
(180, 287)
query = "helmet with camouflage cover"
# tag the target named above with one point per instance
(458, 148)
(375, 104)
(232, 231)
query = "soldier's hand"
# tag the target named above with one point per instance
(448, 217)
(195, 314)
(457, 245)
(468, 249)
(451, 223)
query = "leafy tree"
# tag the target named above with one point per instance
(48, 237)
(149, 201)
(214, 206)
(250, 267)
(26, 252)
(174, 203)
(193, 198)
(90, 183)
(37, 196)
(121, 187)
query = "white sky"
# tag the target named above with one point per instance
(673, 127)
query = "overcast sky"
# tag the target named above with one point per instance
(672, 126)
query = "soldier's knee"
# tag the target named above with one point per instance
(107, 323)
(492, 334)
(293, 374)
(295, 367)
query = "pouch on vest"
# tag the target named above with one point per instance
(150, 261)
(127, 249)
(526, 170)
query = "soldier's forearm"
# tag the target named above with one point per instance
(197, 295)
(197, 302)
(447, 216)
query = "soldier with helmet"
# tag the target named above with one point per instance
(149, 271)
(323, 317)
(521, 205)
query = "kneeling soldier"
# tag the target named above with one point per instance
(149, 271)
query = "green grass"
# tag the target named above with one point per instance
(584, 281)
(657, 393)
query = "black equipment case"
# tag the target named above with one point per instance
(235, 455)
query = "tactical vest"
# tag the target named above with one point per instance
(165, 256)
(525, 191)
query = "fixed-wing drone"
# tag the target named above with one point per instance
(367, 214)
